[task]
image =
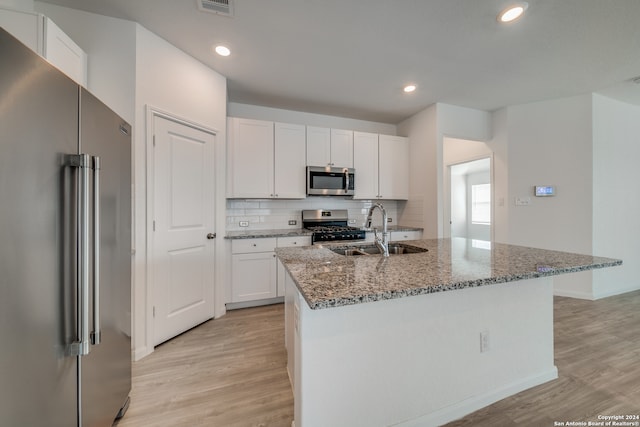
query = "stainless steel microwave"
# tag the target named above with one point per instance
(328, 181)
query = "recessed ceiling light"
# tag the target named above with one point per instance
(512, 12)
(223, 50)
(409, 88)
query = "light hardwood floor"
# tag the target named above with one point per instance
(225, 372)
(232, 372)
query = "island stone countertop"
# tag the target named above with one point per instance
(292, 232)
(257, 234)
(326, 279)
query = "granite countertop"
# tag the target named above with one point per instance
(292, 232)
(403, 228)
(326, 279)
(256, 234)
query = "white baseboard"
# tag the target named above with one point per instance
(600, 295)
(255, 303)
(139, 353)
(459, 410)
(573, 294)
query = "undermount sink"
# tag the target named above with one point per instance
(394, 249)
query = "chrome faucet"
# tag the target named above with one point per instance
(381, 243)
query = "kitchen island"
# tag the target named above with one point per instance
(419, 339)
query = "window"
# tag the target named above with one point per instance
(481, 204)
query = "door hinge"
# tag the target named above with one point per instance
(154, 225)
(154, 311)
(154, 140)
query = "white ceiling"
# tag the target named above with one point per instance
(351, 58)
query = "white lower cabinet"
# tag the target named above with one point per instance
(398, 236)
(255, 273)
(253, 269)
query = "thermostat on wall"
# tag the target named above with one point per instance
(545, 190)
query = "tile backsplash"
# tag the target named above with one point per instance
(263, 214)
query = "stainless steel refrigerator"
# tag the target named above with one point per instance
(65, 249)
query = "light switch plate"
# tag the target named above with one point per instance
(523, 201)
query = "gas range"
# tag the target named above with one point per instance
(330, 225)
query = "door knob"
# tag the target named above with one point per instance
(211, 236)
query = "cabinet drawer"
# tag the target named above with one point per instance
(286, 242)
(247, 246)
(405, 235)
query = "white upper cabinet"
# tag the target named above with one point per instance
(393, 164)
(265, 160)
(25, 26)
(44, 37)
(289, 161)
(64, 53)
(329, 147)
(250, 155)
(365, 161)
(318, 146)
(342, 148)
(382, 166)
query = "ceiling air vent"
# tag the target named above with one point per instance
(220, 7)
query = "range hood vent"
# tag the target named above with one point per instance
(219, 7)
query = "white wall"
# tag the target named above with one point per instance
(587, 147)
(24, 5)
(421, 210)
(499, 144)
(172, 81)
(616, 229)
(550, 143)
(583, 145)
(427, 131)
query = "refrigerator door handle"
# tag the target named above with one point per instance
(81, 162)
(96, 335)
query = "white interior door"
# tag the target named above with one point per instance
(183, 250)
